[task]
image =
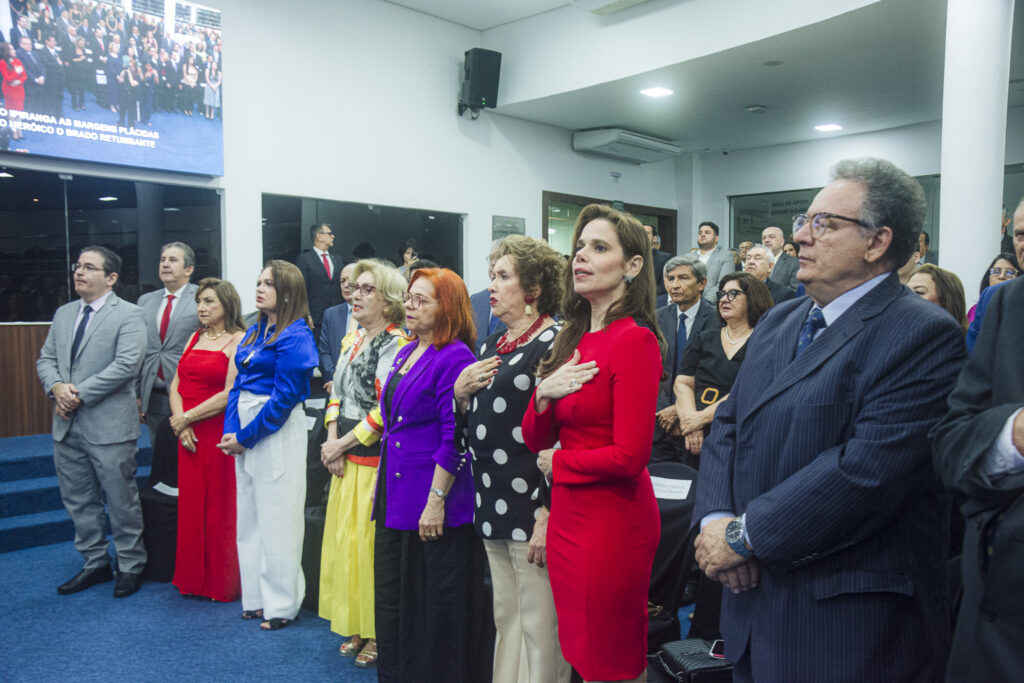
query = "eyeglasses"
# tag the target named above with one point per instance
(328, 233)
(367, 290)
(1008, 272)
(415, 300)
(729, 294)
(820, 222)
(87, 267)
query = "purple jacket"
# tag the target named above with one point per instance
(419, 432)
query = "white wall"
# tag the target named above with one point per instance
(362, 107)
(916, 149)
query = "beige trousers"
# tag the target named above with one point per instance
(526, 648)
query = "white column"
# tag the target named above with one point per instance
(974, 100)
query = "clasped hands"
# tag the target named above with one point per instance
(723, 564)
(66, 396)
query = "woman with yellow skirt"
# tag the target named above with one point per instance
(350, 453)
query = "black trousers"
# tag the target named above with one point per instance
(433, 610)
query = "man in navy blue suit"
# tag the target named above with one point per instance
(819, 507)
(336, 324)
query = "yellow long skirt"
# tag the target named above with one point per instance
(346, 562)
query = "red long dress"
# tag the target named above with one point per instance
(604, 526)
(14, 95)
(207, 557)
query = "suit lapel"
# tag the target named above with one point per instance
(789, 370)
(412, 375)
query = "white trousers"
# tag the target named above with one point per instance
(526, 648)
(271, 495)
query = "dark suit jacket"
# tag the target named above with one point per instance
(666, 318)
(660, 258)
(54, 69)
(33, 67)
(779, 292)
(332, 331)
(481, 302)
(827, 455)
(784, 271)
(990, 628)
(320, 292)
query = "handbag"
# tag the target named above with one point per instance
(689, 661)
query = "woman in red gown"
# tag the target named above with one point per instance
(207, 557)
(597, 398)
(13, 73)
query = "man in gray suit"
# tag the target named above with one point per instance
(170, 315)
(717, 260)
(88, 365)
(784, 271)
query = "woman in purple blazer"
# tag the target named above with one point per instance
(432, 612)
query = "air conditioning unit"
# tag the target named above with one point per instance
(623, 144)
(605, 6)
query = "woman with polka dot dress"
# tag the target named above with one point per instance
(512, 501)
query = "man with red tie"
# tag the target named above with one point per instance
(170, 320)
(320, 269)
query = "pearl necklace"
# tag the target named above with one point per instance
(736, 341)
(215, 337)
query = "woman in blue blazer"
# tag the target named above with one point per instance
(432, 614)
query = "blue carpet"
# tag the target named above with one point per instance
(190, 144)
(154, 635)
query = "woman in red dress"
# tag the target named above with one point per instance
(13, 73)
(207, 557)
(597, 398)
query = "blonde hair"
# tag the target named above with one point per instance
(389, 283)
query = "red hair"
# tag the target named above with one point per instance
(455, 314)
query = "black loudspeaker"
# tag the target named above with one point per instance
(480, 80)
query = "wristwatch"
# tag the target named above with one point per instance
(734, 536)
(438, 492)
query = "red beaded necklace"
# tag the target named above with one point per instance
(505, 346)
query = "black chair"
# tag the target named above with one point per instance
(675, 487)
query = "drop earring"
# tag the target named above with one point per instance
(628, 278)
(529, 309)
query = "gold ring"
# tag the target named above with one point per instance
(481, 378)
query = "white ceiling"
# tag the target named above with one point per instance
(482, 14)
(874, 68)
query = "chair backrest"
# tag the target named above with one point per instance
(675, 487)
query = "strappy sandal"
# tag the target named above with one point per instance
(251, 614)
(352, 646)
(367, 657)
(275, 624)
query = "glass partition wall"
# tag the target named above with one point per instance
(47, 218)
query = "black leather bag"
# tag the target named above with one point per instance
(688, 661)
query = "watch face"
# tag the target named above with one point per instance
(734, 532)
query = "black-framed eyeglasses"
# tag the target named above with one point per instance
(87, 267)
(415, 300)
(729, 294)
(366, 290)
(820, 222)
(1008, 272)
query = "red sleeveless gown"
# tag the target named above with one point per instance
(207, 557)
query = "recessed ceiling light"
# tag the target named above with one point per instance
(108, 199)
(828, 127)
(171, 208)
(656, 92)
(5, 174)
(35, 199)
(430, 217)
